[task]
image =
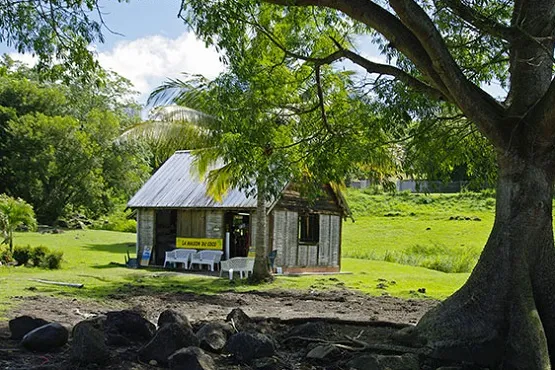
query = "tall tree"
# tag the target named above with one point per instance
(438, 56)
(58, 32)
(266, 138)
(58, 147)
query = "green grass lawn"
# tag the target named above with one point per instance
(445, 232)
(412, 229)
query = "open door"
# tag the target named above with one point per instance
(166, 226)
(237, 227)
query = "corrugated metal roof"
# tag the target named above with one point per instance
(174, 185)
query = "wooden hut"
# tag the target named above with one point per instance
(173, 211)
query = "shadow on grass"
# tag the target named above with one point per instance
(112, 248)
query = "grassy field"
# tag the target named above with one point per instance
(445, 232)
(414, 230)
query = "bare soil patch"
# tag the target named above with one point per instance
(346, 313)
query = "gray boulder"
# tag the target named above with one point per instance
(245, 346)
(171, 316)
(46, 338)
(168, 339)
(213, 336)
(88, 344)
(123, 327)
(24, 324)
(191, 358)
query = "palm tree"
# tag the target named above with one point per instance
(14, 213)
(202, 121)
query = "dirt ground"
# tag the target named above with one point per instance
(340, 304)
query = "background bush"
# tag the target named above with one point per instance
(22, 254)
(53, 260)
(5, 256)
(38, 254)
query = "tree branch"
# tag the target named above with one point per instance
(476, 19)
(477, 105)
(369, 66)
(376, 17)
(321, 100)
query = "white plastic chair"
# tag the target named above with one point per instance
(207, 257)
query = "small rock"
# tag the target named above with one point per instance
(46, 338)
(213, 336)
(24, 324)
(88, 344)
(248, 346)
(191, 358)
(153, 363)
(321, 352)
(171, 316)
(168, 339)
(239, 319)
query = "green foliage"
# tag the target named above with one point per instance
(22, 254)
(120, 220)
(53, 260)
(58, 32)
(6, 256)
(14, 213)
(38, 254)
(60, 151)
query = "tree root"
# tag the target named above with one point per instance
(356, 345)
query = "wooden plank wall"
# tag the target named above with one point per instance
(215, 224)
(290, 253)
(292, 237)
(279, 237)
(191, 224)
(145, 233)
(324, 254)
(335, 239)
(312, 255)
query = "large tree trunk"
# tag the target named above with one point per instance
(261, 270)
(505, 313)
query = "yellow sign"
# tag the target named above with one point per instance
(199, 243)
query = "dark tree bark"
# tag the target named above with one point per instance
(504, 314)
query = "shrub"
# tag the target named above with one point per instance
(6, 256)
(22, 254)
(119, 220)
(38, 254)
(53, 260)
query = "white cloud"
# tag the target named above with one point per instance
(148, 61)
(28, 59)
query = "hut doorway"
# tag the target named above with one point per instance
(237, 224)
(166, 226)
